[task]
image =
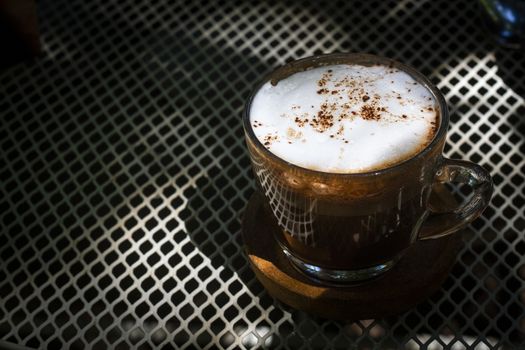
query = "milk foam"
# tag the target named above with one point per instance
(345, 118)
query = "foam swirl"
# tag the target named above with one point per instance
(345, 118)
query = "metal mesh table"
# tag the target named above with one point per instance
(124, 174)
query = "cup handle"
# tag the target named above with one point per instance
(439, 224)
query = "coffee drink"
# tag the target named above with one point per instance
(345, 149)
(345, 118)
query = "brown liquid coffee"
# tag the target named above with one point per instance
(344, 223)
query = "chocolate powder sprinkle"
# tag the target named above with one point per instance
(324, 79)
(369, 113)
(269, 138)
(324, 118)
(369, 106)
(300, 122)
(256, 123)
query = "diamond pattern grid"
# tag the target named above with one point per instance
(124, 174)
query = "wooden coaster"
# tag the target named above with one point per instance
(414, 278)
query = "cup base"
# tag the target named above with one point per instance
(415, 277)
(325, 276)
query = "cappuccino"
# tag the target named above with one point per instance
(350, 118)
(345, 118)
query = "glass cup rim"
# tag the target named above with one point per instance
(414, 73)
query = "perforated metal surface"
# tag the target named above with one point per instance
(124, 174)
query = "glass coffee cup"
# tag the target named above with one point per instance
(347, 227)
